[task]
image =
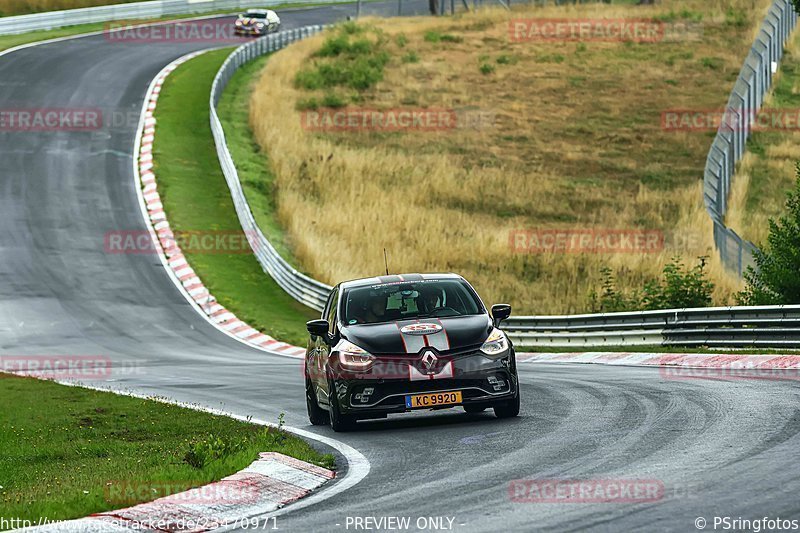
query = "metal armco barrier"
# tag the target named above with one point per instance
(302, 288)
(752, 85)
(133, 11)
(767, 326)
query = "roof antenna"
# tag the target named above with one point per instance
(385, 261)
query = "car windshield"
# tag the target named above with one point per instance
(256, 15)
(404, 300)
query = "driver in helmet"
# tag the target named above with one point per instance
(430, 299)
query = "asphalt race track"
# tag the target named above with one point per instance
(717, 447)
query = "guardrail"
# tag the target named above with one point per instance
(133, 11)
(752, 85)
(766, 326)
(302, 288)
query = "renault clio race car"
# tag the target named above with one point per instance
(400, 343)
(257, 22)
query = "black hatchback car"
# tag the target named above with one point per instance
(392, 344)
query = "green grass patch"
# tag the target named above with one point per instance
(69, 451)
(196, 196)
(772, 174)
(352, 56)
(438, 37)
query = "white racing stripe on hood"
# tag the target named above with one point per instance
(439, 340)
(415, 343)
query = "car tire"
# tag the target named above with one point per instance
(474, 409)
(508, 409)
(316, 414)
(339, 422)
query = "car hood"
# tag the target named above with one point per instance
(447, 335)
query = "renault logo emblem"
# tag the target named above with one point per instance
(429, 359)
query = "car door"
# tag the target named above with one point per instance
(322, 346)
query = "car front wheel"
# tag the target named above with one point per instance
(316, 414)
(339, 422)
(508, 409)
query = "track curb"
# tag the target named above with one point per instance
(183, 276)
(239, 500)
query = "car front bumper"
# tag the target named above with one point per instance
(245, 30)
(482, 381)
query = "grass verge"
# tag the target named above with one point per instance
(69, 451)
(197, 199)
(255, 174)
(767, 172)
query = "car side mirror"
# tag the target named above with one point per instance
(317, 328)
(500, 312)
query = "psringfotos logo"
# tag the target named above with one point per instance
(226, 492)
(57, 366)
(585, 241)
(585, 490)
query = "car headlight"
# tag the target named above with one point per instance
(260, 25)
(352, 357)
(496, 344)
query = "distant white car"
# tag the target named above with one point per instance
(257, 22)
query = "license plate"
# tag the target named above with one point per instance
(432, 400)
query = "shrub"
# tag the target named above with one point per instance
(505, 59)
(410, 57)
(209, 449)
(679, 287)
(436, 37)
(432, 36)
(357, 64)
(333, 100)
(486, 68)
(776, 276)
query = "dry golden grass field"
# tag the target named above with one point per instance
(568, 137)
